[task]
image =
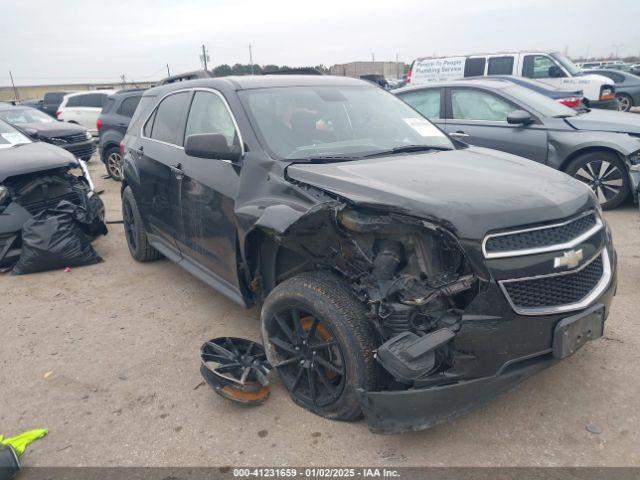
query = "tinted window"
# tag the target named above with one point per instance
(149, 125)
(474, 67)
(128, 106)
(539, 66)
(93, 100)
(168, 118)
(209, 114)
(108, 104)
(470, 104)
(427, 102)
(500, 66)
(53, 97)
(74, 101)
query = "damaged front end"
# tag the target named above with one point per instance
(30, 194)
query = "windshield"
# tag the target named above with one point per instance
(568, 65)
(298, 123)
(9, 136)
(25, 115)
(540, 103)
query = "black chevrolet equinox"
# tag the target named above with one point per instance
(402, 274)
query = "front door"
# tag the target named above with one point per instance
(479, 117)
(159, 155)
(208, 193)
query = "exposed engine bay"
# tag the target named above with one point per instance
(30, 195)
(412, 275)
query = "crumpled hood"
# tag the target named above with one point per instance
(53, 129)
(606, 121)
(474, 190)
(33, 157)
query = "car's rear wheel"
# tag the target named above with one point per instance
(318, 338)
(134, 230)
(625, 102)
(606, 175)
(113, 163)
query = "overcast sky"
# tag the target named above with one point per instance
(73, 41)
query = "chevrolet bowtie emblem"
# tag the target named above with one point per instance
(570, 259)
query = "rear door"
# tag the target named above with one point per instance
(479, 117)
(159, 156)
(208, 192)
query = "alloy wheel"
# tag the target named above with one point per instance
(309, 359)
(624, 104)
(129, 222)
(604, 178)
(114, 165)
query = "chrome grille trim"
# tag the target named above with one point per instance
(547, 248)
(583, 303)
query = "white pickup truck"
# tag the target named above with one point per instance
(552, 68)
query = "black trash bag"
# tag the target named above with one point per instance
(54, 239)
(90, 216)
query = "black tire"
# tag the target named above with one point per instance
(113, 163)
(340, 319)
(134, 231)
(625, 102)
(605, 173)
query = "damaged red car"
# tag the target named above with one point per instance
(403, 275)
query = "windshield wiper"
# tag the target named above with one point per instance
(328, 158)
(408, 149)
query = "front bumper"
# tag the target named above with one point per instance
(604, 104)
(499, 350)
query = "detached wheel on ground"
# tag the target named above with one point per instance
(318, 338)
(605, 173)
(113, 163)
(625, 102)
(134, 231)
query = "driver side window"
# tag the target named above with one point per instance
(209, 114)
(468, 104)
(540, 66)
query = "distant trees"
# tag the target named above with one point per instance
(245, 69)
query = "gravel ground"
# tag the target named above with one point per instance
(106, 357)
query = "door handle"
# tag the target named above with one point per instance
(139, 150)
(177, 171)
(459, 134)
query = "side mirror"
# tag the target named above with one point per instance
(555, 72)
(519, 117)
(211, 145)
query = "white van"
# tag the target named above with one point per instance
(552, 68)
(83, 108)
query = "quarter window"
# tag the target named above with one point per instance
(209, 114)
(470, 104)
(500, 66)
(474, 67)
(93, 100)
(427, 102)
(74, 101)
(168, 119)
(128, 106)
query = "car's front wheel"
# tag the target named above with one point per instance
(318, 338)
(134, 230)
(605, 173)
(625, 102)
(113, 163)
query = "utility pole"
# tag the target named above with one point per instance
(397, 68)
(373, 57)
(168, 72)
(124, 81)
(15, 90)
(251, 59)
(205, 56)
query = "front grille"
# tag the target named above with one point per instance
(66, 139)
(555, 290)
(544, 238)
(84, 150)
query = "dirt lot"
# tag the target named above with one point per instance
(122, 339)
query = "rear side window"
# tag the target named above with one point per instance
(75, 101)
(93, 100)
(169, 117)
(500, 66)
(427, 102)
(53, 97)
(128, 106)
(209, 114)
(471, 104)
(474, 67)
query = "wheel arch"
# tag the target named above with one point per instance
(591, 149)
